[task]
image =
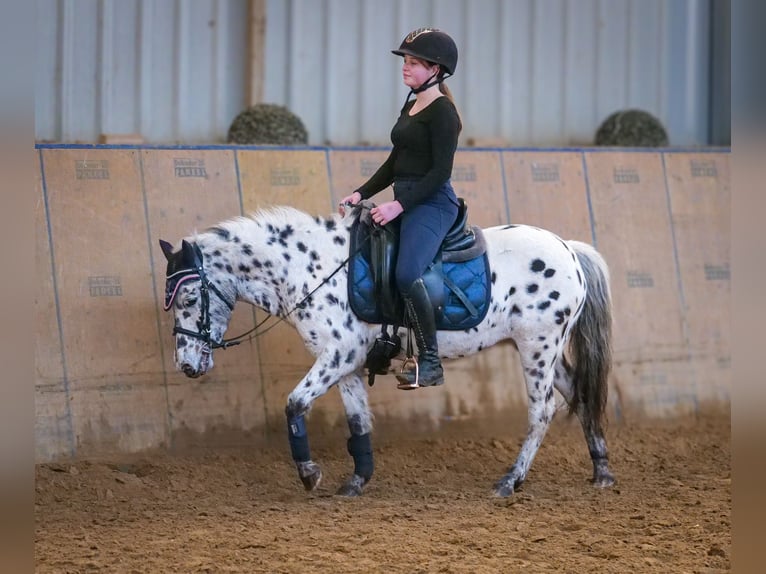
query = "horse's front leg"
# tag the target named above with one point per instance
(323, 374)
(354, 395)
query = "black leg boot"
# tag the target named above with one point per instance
(429, 370)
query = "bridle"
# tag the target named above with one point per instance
(197, 273)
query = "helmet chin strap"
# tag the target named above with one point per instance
(432, 81)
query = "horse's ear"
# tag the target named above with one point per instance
(189, 254)
(167, 249)
(187, 250)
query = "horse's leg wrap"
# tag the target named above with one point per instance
(360, 448)
(354, 395)
(299, 440)
(308, 471)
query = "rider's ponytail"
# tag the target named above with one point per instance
(447, 92)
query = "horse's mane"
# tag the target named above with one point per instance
(278, 216)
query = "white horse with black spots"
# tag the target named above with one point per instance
(547, 295)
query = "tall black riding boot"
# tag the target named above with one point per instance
(429, 370)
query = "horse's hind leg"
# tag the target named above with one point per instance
(354, 396)
(538, 375)
(594, 434)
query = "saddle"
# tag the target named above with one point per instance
(457, 280)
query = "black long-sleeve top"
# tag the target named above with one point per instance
(424, 148)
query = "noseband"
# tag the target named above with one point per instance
(197, 273)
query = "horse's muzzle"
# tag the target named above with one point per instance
(194, 365)
(190, 371)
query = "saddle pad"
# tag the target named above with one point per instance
(472, 277)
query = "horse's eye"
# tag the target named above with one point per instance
(190, 302)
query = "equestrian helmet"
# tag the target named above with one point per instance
(431, 45)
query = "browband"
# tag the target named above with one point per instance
(174, 281)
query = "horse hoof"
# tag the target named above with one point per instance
(603, 480)
(503, 491)
(311, 475)
(312, 481)
(352, 487)
(504, 488)
(602, 476)
(509, 484)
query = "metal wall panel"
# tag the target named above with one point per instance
(170, 70)
(531, 72)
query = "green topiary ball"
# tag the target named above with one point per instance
(267, 124)
(632, 128)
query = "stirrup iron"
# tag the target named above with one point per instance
(404, 384)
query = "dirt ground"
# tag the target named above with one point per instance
(428, 508)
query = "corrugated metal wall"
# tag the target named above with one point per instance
(171, 70)
(531, 72)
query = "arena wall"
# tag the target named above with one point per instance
(104, 379)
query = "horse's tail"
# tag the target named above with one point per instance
(591, 338)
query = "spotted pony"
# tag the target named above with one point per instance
(547, 296)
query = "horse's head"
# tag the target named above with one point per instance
(200, 308)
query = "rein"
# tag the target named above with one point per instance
(239, 338)
(203, 324)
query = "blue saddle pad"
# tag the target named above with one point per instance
(467, 280)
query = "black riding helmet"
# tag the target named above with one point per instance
(433, 46)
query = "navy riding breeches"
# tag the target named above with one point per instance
(422, 230)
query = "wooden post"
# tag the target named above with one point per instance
(256, 51)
